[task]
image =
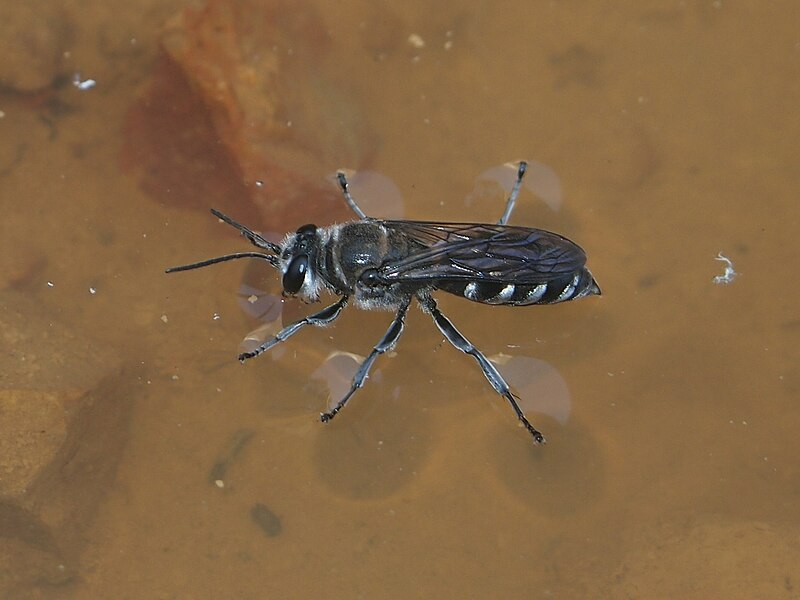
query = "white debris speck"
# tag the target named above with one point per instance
(728, 274)
(83, 84)
(416, 40)
(92, 291)
(252, 298)
(216, 317)
(219, 483)
(2, 114)
(50, 284)
(164, 318)
(259, 183)
(175, 378)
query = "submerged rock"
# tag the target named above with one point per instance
(64, 418)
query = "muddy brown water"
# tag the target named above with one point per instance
(671, 466)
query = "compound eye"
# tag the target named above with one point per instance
(295, 274)
(370, 278)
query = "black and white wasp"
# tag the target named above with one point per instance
(383, 264)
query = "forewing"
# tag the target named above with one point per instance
(482, 252)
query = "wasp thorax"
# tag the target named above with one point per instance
(361, 245)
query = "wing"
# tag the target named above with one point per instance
(481, 252)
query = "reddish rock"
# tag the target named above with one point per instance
(243, 115)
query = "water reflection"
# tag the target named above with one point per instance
(333, 378)
(563, 478)
(376, 194)
(383, 440)
(540, 179)
(540, 387)
(267, 309)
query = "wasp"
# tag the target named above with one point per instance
(383, 264)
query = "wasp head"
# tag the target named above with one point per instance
(297, 260)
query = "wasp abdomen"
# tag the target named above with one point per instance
(561, 289)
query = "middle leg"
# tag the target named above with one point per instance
(387, 343)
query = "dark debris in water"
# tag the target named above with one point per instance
(267, 520)
(236, 444)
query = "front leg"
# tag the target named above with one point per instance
(491, 373)
(324, 317)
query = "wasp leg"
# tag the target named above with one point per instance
(489, 370)
(512, 198)
(351, 202)
(321, 318)
(387, 343)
